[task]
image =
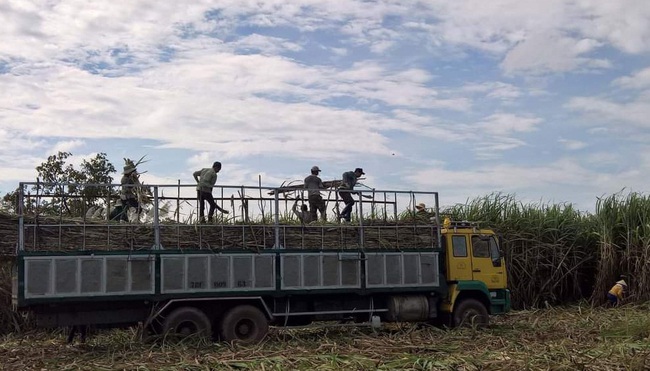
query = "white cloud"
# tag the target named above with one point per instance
(618, 115)
(319, 80)
(637, 80)
(340, 52)
(542, 37)
(546, 52)
(495, 90)
(604, 158)
(564, 180)
(572, 145)
(622, 24)
(265, 44)
(66, 146)
(493, 147)
(242, 96)
(506, 123)
(555, 35)
(505, 177)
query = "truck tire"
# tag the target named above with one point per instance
(245, 324)
(187, 321)
(471, 312)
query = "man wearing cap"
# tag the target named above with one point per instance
(313, 185)
(615, 294)
(421, 213)
(205, 179)
(130, 180)
(349, 180)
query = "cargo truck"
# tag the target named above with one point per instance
(255, 267)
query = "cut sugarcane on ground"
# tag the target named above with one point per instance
(558, 338)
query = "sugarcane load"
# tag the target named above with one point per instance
(272, 256)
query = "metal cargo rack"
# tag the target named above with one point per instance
(260, 218)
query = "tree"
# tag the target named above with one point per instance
(97, 171)
(62, 189)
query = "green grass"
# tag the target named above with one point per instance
(560, 338)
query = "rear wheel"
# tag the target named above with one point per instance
(244, 323)
(187, 321)
(471, 312)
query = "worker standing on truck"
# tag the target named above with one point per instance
(130, 180)
(206, 179)
(349, 180)
(313, 185)
(422, 214)
(615, 294)
(303, 215)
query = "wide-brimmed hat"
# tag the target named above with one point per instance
(128, 169)
(421, 205)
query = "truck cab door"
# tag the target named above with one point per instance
(487, 263)
(459, 260)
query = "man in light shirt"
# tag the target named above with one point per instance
(206, 179)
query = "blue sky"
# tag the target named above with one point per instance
(547, 100)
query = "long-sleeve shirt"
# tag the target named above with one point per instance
(349, 180)
(206, 178)
(129, 182)
(313, 185)
(618, 290)
(303, 215)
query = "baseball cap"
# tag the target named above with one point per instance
(315, 168)
(359, 170)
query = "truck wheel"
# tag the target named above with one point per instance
(245, 324)
(187, 321)
(471, 312)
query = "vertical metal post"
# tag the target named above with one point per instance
(156, 221)
(360, 219)
(84, 222)
(109, 191)
(178, 214)
(21, 225)
(395, 206)
(276, 218)
(178, 201)
(435, 196)
(395, 218)
(107, 214)
(244, 213)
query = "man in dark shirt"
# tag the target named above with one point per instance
(130, 180)
(349, 180)
(313, 185)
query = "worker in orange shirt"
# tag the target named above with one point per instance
(615, 294)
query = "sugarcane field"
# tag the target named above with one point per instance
(560, 265)
(435, 185)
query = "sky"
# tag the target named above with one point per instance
(546, 100)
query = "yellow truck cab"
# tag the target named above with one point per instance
(475, 271)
